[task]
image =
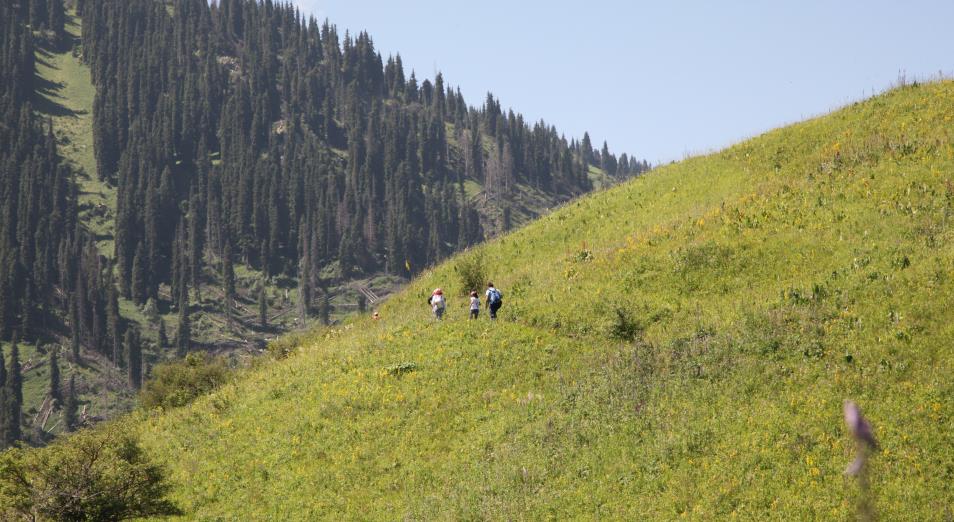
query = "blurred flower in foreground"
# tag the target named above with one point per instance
(864, 437)
(865, 444)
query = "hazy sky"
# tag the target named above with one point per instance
(660, 79)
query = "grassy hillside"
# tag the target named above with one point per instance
(66, 96)
(679, 346)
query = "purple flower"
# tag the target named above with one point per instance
(859, 427)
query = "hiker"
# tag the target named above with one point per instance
(494, 300)
(438, 303)
(376, 315)
(474, 304)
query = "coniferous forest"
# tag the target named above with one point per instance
(52, 280)
(243, 129)
(240, 133)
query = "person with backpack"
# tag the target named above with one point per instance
(494, 300)
(474, 304)
(438, 303)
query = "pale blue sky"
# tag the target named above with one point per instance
(664, 79)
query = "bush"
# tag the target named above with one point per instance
(400, 369)
(100, 474)
(282, 347)
(178, 383)
(471, 273)
(625, 327)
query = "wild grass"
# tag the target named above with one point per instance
(678, 346)
(66, 96)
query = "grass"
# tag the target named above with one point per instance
(599, 178)
(66, 95)
(678, 346)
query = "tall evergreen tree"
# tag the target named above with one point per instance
(3, 399)
(324, 311)
(4, 414)
(262, 306)
(56, 391)
(56, 17)
(75, 343)
(184, 331)
(228, 280)
(13, 408)
(113, 324)
(71, 406)
(133, 358)
(162, 338)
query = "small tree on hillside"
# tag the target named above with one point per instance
(470, 272)
(100, 474)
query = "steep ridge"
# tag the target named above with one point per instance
(677, 346)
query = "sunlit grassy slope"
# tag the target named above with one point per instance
(66, 95)
(677, 346)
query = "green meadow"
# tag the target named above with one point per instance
(676, 347)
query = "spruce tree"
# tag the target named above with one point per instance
(13, 407)
(75, 343)
(262, 306)
(195, 246)
(133, 359)
(113, 324)
(3, 398)
(228, 280)
(57, 17)
(15, 373)
(324, 312)
(56, 392)
(71, 406)
(587, 149)
(184, 332)
(138, 284)
(3, 416)
(162, 338)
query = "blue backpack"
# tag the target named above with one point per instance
(495, 296)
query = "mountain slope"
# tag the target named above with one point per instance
(677, 346)
(238, 161)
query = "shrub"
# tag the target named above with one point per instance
(285, 345)
(400, 369)
(471, 273)
(100, 474)
(625, 327)
(180, 382)
(583, 256)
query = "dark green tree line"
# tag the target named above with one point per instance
(273, 141)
